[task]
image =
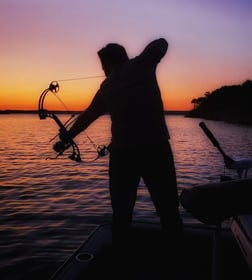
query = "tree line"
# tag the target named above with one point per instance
(228, 103)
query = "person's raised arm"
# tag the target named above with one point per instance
(155, 50)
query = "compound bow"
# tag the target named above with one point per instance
(61, 146)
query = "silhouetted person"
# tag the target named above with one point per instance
(140, 145)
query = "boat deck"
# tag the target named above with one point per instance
(144, 259)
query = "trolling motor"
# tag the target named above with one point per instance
(239, 165)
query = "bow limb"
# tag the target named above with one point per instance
(60, 146)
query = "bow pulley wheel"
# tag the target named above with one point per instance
(54, 87)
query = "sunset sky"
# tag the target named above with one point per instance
(210, 45)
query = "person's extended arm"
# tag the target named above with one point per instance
(81, 123)
(94, 110)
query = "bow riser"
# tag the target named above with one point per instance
(43, 114)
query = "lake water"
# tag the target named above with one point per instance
(49, 207)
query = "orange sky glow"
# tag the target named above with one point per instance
(210, 45)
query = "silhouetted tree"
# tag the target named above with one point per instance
(230, 103)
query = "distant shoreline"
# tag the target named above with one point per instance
(4, 112)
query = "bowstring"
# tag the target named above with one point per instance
(73, 117)
(81, 78)
(67, 123)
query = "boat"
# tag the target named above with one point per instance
(217, 247)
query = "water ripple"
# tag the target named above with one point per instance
(49, 207)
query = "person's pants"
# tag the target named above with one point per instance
(155, 165)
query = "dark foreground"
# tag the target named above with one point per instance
(144, 257)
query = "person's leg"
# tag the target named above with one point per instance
(159, 175)
(124, 180)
